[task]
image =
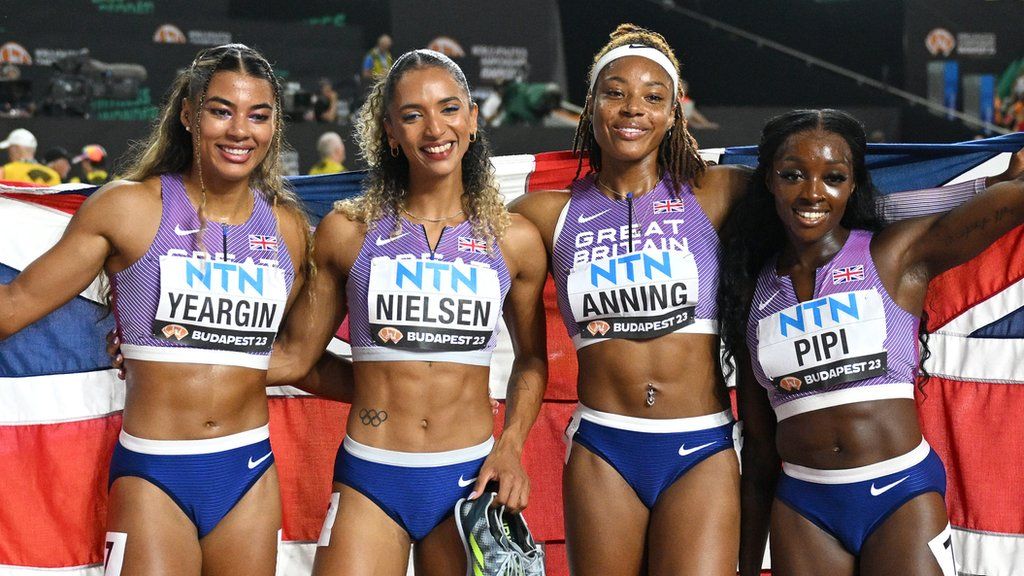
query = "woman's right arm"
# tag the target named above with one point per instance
(299, 358)
(67, 268)
(760, 466)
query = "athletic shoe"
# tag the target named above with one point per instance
(497, 543)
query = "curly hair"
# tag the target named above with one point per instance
(170, 148)
(753, 232)
(677, 153)
(387, 184)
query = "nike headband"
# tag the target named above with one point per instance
(652, 54)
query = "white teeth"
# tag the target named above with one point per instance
(237, 151)
(438, 149)
(630, 131)
(815, 216)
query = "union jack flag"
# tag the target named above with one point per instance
(261, 242)
(847, 274)
(666, 206)
(472, 245)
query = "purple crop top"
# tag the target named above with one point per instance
(407, 302)
(849, 343)
(666, 283)
(177, 304)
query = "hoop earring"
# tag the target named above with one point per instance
(394, 151)
(472, 137)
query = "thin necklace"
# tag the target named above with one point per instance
(616, 193)
(432, 220)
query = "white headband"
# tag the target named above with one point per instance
(652, 54)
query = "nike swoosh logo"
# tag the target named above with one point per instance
(584, 219)
(762, 305)
(255, 463)
(886, 488)
(383, 241)
(684, 451)
(180, 232)
(463, 483)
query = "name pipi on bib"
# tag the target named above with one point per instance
(829, 340)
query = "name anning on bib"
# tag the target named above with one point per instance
(642, 294)
(826, 341)
(207, 303)
(613, 242)
(434, 305)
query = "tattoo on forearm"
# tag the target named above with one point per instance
(372, 417)
(982, 223)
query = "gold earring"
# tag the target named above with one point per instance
(472, 137)
(394, 151)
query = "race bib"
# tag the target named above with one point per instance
(220, 305)
(432, 305)
(642, 294)
(830, 340)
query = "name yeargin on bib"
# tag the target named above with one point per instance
(830, 340)
(214, 304)
(642, 294)
(432, 305)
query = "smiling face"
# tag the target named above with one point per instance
(431, 118)
(236, 125)
(633, 106)
(812, 178)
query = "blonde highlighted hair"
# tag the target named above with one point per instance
(386, 186)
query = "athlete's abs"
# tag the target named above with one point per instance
(420, 406)
(618, 376)
(850, 435)
(178, 401)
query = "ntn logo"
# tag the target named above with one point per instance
(632, 265)
(224, 275)
(832, 307)
(435, 273)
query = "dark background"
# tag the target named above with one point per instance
(736, 82)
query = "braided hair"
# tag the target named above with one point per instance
(677, 153)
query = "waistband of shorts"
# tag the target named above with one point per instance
(417, 459)
(656, 425)
(861, 473)
(186, 447)
(820, 400)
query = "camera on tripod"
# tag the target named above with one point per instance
(78, 79)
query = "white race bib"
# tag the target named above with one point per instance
(205, 303)
(829, 340)
(432, 305)
(643, 294)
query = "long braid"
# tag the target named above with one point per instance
(677, 153)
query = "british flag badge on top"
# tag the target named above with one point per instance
(847, 274)
(262, 242)
(472, 245)
(666, 206)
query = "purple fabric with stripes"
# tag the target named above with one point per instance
(589, 212)
(410, 240)
(137, 287)
(776, 293)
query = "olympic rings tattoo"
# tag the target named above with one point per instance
(371, 417)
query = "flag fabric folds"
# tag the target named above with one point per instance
(60, 402)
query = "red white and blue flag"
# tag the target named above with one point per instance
(472, 245)
(847, 274)
(262, 242)
(666, 206)
(60, 403)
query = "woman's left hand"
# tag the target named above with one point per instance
(504, 465)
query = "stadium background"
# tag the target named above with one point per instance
(738, 82)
